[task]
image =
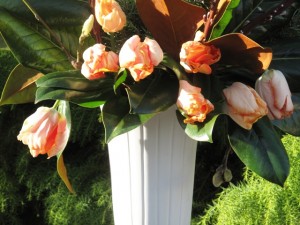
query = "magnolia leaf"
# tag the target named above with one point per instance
(239, 50)
(65, 19)
(20, 86)
(73, 87)
(175, 22)
(223, 17)
(291, 124)
(152, 95)
(117, 119)
(261, 150)
(286, 58)
(64, 109)
(31, 48)
(62, 172)
(200, 131)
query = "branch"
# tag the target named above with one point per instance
(36, 15)
(267, 17)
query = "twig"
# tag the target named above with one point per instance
(268, 16)
(36, 15)
(209, 19)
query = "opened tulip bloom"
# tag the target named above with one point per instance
(45, 132)
(192, 103)
(274, 89)
(244, 105)
(140, 58)
(109, 15)
(97, 61)
(196, 57)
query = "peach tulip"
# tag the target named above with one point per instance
(97, 61)
(45, 132)
(244, 105)
(192, 103)
(140, 58)
(274, 89)
(109, 15)
(196, 57)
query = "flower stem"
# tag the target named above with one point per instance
(56, 104)
(38, 18)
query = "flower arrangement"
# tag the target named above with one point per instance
(136, 59)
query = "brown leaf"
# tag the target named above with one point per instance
(239, 50)
(62, 172)
(171, 22)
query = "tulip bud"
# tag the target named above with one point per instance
(109, 15)
(140, 57)
(45, 132)
(244, 105)
(86, 28)
(274, 89)
(97, 62)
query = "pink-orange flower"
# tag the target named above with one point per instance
(109, 15)
(244, 105)
(140, 57)
(192, 103)
(274, 89)
(196, 57)
(45, 132)
(97, 61)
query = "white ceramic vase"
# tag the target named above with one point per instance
(152, 173)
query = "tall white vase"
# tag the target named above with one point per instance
(152, 173)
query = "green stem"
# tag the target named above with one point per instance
(36, 15)
(56, 104)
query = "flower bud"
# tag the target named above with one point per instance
(196, 57)
(109, 15)
(45, 132)
(192, 103)
(86, 28)
(274, 89)
(244, 105)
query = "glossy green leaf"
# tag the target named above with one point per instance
(154, 94)
(31, 48)
(261, 150)
(291, 124)
(20, 86)
(220, 26)
(73, 87)
(65, 19)
(287, 60)
(64, 109)
(117, 119)
(200, 131)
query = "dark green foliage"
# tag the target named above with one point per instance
(31, 191)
